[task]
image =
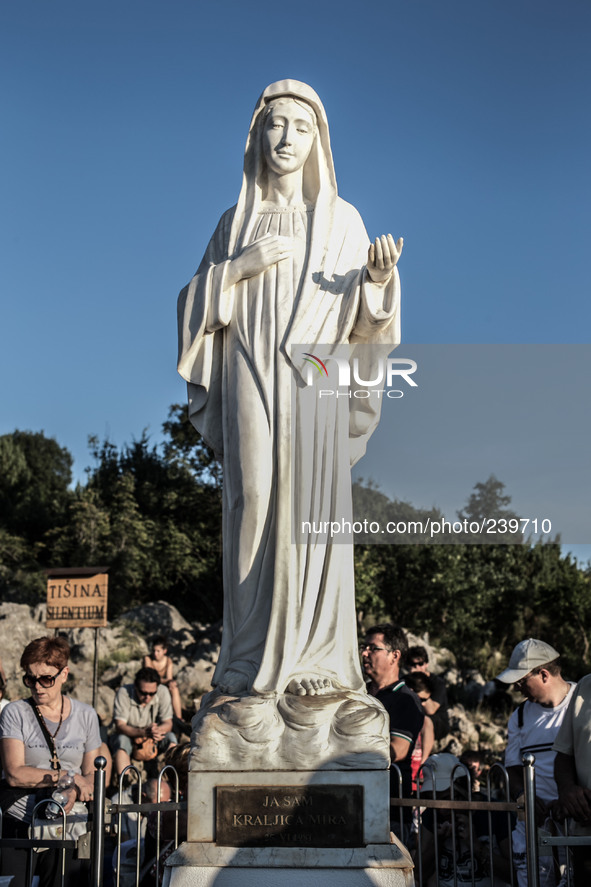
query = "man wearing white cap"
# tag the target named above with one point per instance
(573, 775)
(533, 726)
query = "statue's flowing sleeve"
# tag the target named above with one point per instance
(204, 308)
(373, 334)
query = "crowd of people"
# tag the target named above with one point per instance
(553, 722)
(48, 736)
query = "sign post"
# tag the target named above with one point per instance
(77, 597)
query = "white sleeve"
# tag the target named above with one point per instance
(564, 742)
(513, 750)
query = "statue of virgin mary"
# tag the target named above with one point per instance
(289, 270)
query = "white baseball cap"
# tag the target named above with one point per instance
(526, 656)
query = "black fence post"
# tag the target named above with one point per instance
(531, 830)
(98, 830)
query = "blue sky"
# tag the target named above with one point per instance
(463, 126)
(509, 410)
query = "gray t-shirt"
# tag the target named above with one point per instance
(78, 734)
(128, 709)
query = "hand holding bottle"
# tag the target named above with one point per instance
(64, 795)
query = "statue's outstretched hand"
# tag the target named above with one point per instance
(382, 255)
(258, 256)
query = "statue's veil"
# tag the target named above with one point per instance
(319, 176)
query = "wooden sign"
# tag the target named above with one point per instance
(77, 597)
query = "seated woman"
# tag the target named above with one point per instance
(162, 663)
(40, 737)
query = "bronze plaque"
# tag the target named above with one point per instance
(289, 816)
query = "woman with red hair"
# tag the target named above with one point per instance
(40, 737)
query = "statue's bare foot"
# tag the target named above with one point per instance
(309, 686)
(233, 682)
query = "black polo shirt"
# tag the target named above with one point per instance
(406, 720)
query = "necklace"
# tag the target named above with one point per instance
(49, 737)
(53, 735)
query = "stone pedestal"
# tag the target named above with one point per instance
(271, 820)
(207, 865)
(374, 804)
(323, 820)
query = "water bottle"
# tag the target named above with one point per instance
(66, 781)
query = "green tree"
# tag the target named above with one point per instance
(35, 475)
(164, 512)
(488, 507)
(370, 505)
(83, 538)
(21, 578)
(185, 445)
(480, 600)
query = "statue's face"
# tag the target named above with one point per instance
(288, 135)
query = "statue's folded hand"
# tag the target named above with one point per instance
(382, 256)
(257, 257)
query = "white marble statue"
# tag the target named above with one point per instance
(289, 265)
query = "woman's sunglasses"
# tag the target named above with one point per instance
(44, 680)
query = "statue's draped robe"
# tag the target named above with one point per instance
(289, 608)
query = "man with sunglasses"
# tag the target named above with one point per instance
(534, 669)
(142, 709)
(382, 654)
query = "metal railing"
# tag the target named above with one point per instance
(567, 841)
(37, 843)
(420, 835)
(93, 845)
(105, 814)
(537, 840)
(113, 813)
